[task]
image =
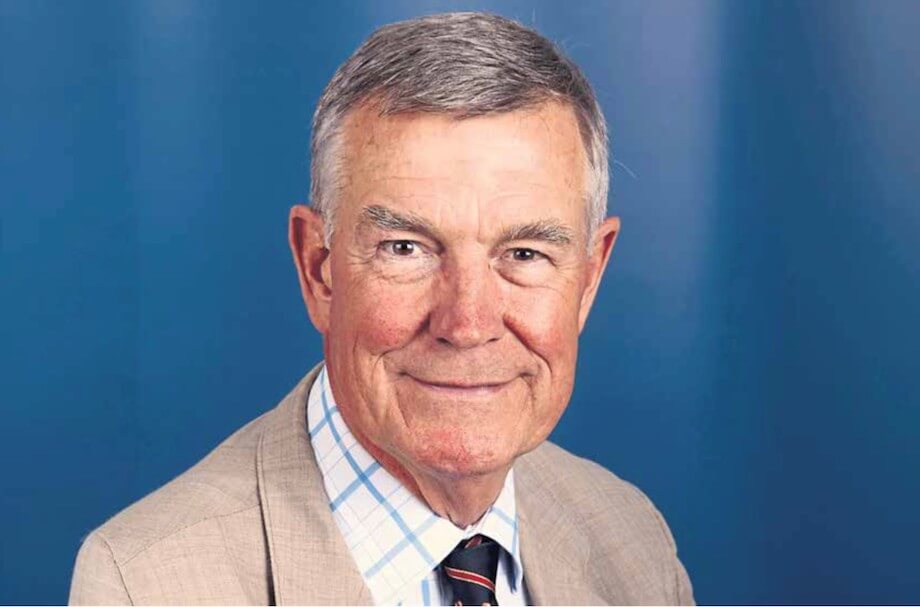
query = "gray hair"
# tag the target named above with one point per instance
(465, 65)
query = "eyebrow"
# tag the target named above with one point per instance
(388, 219)
(545, 230)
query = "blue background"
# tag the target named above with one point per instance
(752, 359)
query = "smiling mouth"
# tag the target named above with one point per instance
(460, 388)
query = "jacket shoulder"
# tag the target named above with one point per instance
(221, 484)
(581, 483)
(593, 495)
(623, 528)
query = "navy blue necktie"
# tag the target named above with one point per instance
(469, 571)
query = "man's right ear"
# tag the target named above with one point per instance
(306, 237)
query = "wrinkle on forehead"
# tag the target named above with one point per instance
(507, 168)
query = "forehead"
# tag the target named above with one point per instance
(526, 162)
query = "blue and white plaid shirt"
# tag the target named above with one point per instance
(396, 540)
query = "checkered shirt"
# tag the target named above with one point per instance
(396, 540)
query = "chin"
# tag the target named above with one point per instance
(451, 456)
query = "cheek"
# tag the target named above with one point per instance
(546, 322)
(379, 317)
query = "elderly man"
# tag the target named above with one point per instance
(453, 250)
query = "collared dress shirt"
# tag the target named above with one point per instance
(397, 541)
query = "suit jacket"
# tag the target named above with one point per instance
(251, 524)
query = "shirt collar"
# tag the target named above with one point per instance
(394, 536)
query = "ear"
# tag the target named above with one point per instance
(311, 257)
(604, 239)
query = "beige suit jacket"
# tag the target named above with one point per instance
(251, 524)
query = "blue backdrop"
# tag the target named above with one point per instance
(752, 359)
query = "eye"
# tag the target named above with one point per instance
(524, 254)
(404, 260)
(400, 248)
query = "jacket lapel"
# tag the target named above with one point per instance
(309, 561)
(554, 552)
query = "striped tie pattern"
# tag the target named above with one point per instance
(469, 571)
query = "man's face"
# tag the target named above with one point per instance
(457, 283)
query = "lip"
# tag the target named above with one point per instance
(460, 388)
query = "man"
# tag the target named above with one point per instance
(453, 250)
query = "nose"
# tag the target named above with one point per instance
(469, 307)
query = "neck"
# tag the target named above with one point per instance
(462, 499)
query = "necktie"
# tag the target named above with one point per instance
(469, 571)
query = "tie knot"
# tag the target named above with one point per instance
(470, 570)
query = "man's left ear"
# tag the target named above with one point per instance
(604, 239)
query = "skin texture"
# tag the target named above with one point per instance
(452, 295)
